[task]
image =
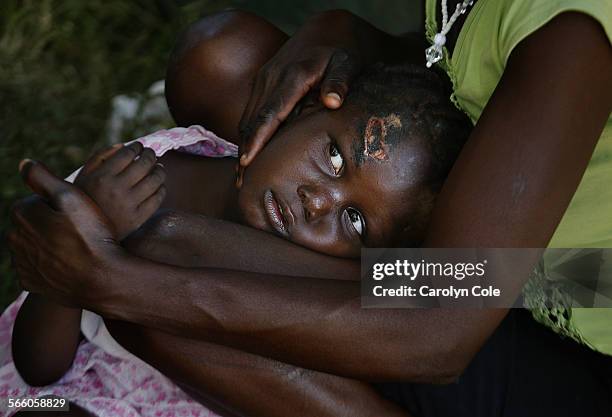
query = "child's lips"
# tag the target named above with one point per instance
(276, 213)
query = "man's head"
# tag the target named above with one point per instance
(364, 175)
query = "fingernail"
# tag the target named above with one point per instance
(244, 158)
(334, 96)
(117, 145)
(161, 165)
(23, 163)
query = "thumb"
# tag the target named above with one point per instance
(342, 69)
(40, 180)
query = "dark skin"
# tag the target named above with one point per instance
(313, 183)
(503, 148)
(44, 349)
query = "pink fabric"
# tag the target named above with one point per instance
(101, 382)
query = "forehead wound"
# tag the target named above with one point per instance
(379, 136)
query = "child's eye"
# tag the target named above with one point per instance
(336, 159)
(356, 220)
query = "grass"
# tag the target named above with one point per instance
(61, 62)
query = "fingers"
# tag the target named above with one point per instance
(342, 69)
(19, 242)
(139, 168)
(148, 207)
(40, 180)
(123, 158)
(150, 184)
(292, 85)
(99, 157)
(254, 103)
(240, 176)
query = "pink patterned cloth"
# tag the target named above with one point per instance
(104, 378)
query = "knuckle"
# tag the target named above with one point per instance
(63, 196)
(134, 149)
(97, 182)
(341, 55)
(296, 72)
(148, 156)
(160, 173)
(336, 84)
(265, 116)
(161, 193)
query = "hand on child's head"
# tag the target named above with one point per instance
(363, 175)
(126, 182)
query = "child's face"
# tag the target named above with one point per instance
(334, 181)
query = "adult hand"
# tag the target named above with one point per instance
(328, 52)
(60, 240)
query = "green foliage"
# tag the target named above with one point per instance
(61, 62)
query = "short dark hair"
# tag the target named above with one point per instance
(422, 96)
(420, 99)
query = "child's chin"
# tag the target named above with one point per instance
(252, 217)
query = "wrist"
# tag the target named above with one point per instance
(104, 295)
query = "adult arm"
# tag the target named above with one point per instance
(245, 384)
(187, 239)
(46, 334)
(236, 382)
(327, 52)
(506, 190)
(534, 123)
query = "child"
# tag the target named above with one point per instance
(332, 181)
(515, 131)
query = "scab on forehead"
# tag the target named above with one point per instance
(378, 138)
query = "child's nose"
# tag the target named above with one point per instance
(316, 202)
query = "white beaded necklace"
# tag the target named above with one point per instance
(434, 53)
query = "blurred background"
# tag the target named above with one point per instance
(76, 75)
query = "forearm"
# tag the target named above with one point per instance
(45, 339)
(273, 315)
(191, 240)
(235, 382)
(248, 384)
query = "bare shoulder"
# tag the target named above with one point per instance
(213, 67)
(195, 183)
